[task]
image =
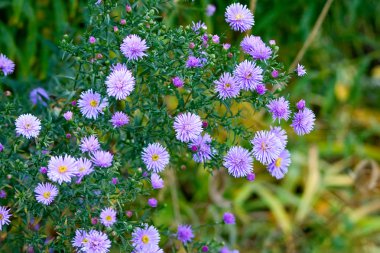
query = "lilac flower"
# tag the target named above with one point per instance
(266, 147)
(152, 202)
(251, 177)
(215, 39)
(144, 238)
(97, 242)
(45, 193)
(187, 126)
(61, 169)
(178, 82)
(226, 46)
(38, 95)
(43, 170)
(210, 10)
(4, 216)
(193, 62)
(280, 134)
(239, 17)
(28, 125)
(156, 180)
(248, 75)
(279, 167)
(84, 167)
(108, 217)
(274, 74)
(196, 27)
(261, 89)
(202, 152)
(92, 40)
(303, 121)
(91, 104)
(68, 115)
(279, 108)
(80, 238)
(301, 104)
(155, 157)
(254, 46)
(301, 71)
(6, 65)
(102, 158)
(227, 86)
(238, 161)
(185, 233)
(133, 47)
(205, 248)
(89, 144)
(119, 119)
(120, 82)
(229, 218)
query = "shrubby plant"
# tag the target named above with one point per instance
(83, 174)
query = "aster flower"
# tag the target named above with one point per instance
(227, 86)
(202, 148)
(280, 134)
(80, 238)
(279, 108)
(301, 71)
(156, 180)
(196, 27)
(215, 39)
(303, 121)
(301, 104)
(185, 233)
(89, 144)
(210, 10)
(261, 89)
(193, 62)
(229, 218)
(254, 46)
(155, 157)
(119, 119)
(120, 82)
(238, 161)
(177, 81)
(102, 158)
(97, 242)
(91, 104)
(133, 47)
(28, 125)
(266, 147)
(108, 217)
(46, 193)
(4, 216)
(61, 169)
(84, 167)
(187, 126)
(226, 46)
(279, 167)
(144, 238)
(239, 17)
(152, 202)
(248, 75)
(6, 65)
(38, 95)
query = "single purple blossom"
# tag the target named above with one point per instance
(229, 218)
(89, 144)
(254, 46)
(193, 62)
(28, 125)
(238, 162)
(301, 104)
(239, 17)
(301, 71)
(4, 216)
(196, 27)
(68, 115)
(303, 121)
(204, 248)
(261, 89)
(102, 158)
(227, 86)
(120, 82)
(133, 47)
(43, 170)
(156, 180)
(119, 119)
(226, 46)
(92, 40)
(177, 82)
(6, 65)
(152, 202)
(114, 180)
(251, 177)
(3, 194)
(215, 39)
(248, 75)
(266, 147)
(279, 108)
(185, 233)
(187, 126)
(61, 168)
(274, 74)
(96, 242)
(84, 167)
(39, 95)
(279, 167)
(91, 104)
(144, 238)
(108, 217)
(155, 157)
(46, 193)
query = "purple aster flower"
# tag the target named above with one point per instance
(84, 167)
(89, 144)
(144, 238)
(280, 134)
(149, 249)
(43, 170)
(301, 104)
(279, 108)
(178, 82)
(193, 62)
(274, 73)
(61, 168)
(210, 10)
(91, 104)
(215, 39)
(227, 86)
(238, 161)
(119, 119)
(80, 238)
(133, 47)
(6, 65)
(28, 125)
(266, 147)
(92, 40)
(155, 157)
(202, 148)
(185, 233)
(3, 194)
(248, 75)
(187, 126)
(205, 248)
(226, 46)
(254, 46)
(251, 177)
(108, 217)
(39, 95)
(228, 218)
(4, 216)
(97, 242)
(120, 82)
(45, 193)
(261, 89)
(279, 167)
(152, 202)
(102, 158)
(68, 115)
(303, 121)
(196, 27)
(301, 71)
(239, 17)
(157, 182)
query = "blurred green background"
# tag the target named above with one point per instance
(330, 199)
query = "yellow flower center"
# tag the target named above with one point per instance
(93, 103)
(84, 240)
(227, 85)
(46, 195)
(145, 239)
(278, 162)
(249, 76)
(27, 125)
(263, 146)
(1, 216)
(108, 218)
(238, 16)
(62, 169)
(82, 169)
(155, 157)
